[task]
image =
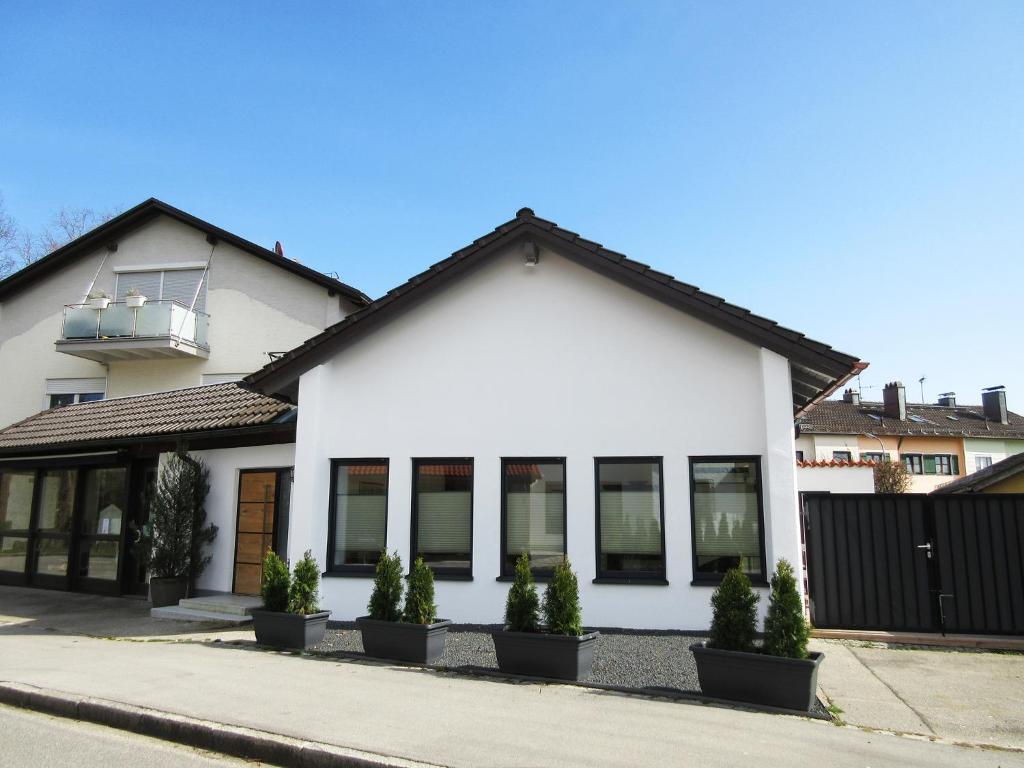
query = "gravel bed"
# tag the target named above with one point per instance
(628, 659)
(631, 659)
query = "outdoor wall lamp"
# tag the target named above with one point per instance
(531, 253)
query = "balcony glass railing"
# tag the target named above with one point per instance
(156, 319)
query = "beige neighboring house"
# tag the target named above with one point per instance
(217, 307)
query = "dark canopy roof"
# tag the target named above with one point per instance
(983, 478)
(206, 410)
(817, 369)
(133, 218)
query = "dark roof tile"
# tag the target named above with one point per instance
(836, 417)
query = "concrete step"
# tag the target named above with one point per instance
(177, 613)
(239, 605)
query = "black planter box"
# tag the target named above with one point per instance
(537, 654)
(289, 630)
(401, 641)
(167, 591)
(758, 678)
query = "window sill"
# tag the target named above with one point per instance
(715, 582)
(347, 575)
(450, 576)
(538, 578)
(640, 582)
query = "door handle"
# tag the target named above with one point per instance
(927, 548)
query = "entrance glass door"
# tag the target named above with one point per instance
(263, 500)
(103, 511)
(54, 512)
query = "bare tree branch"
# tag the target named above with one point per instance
(20, 247)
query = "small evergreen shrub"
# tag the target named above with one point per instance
(562, 602)
(176, 535)
(419, 598)
(734, 605)
(275, 584)
(304, 593)
(522, 604)
(785, 628)
(387, 589)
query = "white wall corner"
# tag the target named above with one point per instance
(781, 501)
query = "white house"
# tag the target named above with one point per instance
(217, 306)
(534, 391)
(537, 391)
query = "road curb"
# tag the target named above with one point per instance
(234, 740)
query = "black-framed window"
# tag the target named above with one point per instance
(799, 455)
(533, 513)
(876, 456)
(17, 490)
(630, 518)
(841, 455)
(727, 515)
(913, 462)
(442, 515)
(359, 514)
(932, 463)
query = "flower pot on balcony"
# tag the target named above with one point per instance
(134, 302)
(99, 302)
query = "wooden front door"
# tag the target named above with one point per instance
(254, 534)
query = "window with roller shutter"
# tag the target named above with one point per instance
(180, 285)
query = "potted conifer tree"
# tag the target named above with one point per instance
(291, 615)
(412, 634)
(175, 538)
(780, 672)
(560, 648)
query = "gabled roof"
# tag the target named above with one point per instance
(836, 417)
(817, 369)
(133, 218)
(179, 412)
(983, 478)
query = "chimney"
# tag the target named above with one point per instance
(894, 398)
(948, 398)
(851, 396)
(993, 402)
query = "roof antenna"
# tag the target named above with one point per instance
(278, 248)
(921, 382)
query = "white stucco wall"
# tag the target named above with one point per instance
(255, 307)
(222, 501)
(996, 449)
(550, 361)
(835, 479)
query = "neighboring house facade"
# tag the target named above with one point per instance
(533, 392)
(217, 307)
(819, 475)
(1006, 476)
(937, 443)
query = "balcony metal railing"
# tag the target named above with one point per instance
(156, 319)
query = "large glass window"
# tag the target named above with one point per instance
(630, 516)
(533, 514)
(106, 498)
(359, 511)
(727, 517)
(442, 514)
(16, 489)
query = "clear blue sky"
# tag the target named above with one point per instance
(854, 171)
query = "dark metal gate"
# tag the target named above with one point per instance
(913, 562)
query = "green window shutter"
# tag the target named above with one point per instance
(955, 461)
(929, 465)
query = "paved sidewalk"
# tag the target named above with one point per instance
(448, 719)
(957, 695)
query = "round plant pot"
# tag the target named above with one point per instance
(538, 654)
(757, 678)
(421, 643)
(99, 303)
(289, 630)
(167, 591)
(134, 302)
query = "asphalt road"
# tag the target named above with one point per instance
(30, 739)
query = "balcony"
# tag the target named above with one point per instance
(156, 330)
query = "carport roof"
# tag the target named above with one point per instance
(207, 409)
